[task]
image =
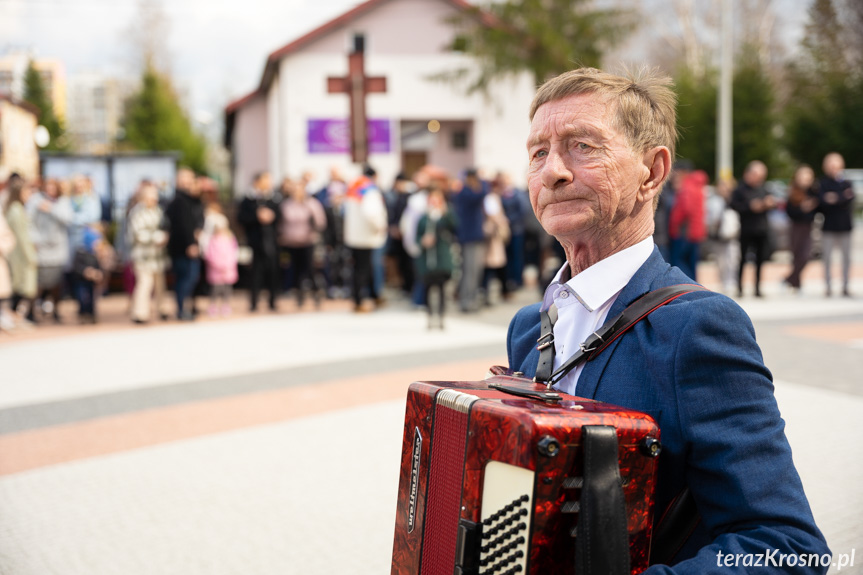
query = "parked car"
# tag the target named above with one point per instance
(778, 220)
(855, 176)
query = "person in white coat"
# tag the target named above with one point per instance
(365, 214)
(148, 254)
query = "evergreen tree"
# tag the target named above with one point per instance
(696, 118)
(824, 112)
(753, 113)
(544, 37)
(36, 94)
(155, 121)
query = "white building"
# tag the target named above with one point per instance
(290, 123)
(95, 109)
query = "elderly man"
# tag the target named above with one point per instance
(836, 200)
(600, 149)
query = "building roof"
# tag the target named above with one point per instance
(323, 30)
(21, 104)
(275, 57)
(240, 102)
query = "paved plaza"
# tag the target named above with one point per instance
(270, 443)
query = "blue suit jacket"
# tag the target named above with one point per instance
(695, 367)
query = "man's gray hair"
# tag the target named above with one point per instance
(646, 106)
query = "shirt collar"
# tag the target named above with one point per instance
(603, 280)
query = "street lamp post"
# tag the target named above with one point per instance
(724, 165)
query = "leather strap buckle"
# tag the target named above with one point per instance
(592, 343)
(549, 337)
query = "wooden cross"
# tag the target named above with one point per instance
(356, 84)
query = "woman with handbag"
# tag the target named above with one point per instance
(496, 230)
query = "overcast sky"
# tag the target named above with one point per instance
(219, 47)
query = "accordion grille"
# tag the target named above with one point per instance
(446, 472)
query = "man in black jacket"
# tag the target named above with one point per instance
(185, 216)
(835, 200)
(259, 215)
(752, 202)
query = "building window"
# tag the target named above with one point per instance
(99, 97)
(6, 79)
(459, 140)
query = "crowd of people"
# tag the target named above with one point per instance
(735, 219)
(351, 239)
(58, 240)
(354, 238)
(347, 239)
(51, 244)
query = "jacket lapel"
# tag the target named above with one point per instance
(641, 283)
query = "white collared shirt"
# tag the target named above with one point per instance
(583, 303)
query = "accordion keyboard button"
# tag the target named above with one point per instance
(503, 538)
(573, 482)
(571, 507)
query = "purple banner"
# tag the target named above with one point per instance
(330, 136)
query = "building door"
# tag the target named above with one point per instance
(413, 161)
(447, 144)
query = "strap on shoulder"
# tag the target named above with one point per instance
(614, 328)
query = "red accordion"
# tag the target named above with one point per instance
(498, 476)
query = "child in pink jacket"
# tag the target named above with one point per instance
(221, 258)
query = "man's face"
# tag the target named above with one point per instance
(583, 177)
(185, 179)
(756, 175)
(833, 165)
(264, 183)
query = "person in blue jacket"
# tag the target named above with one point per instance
(470, 213)
(600, 149)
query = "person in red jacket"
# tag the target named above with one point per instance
(686, 225)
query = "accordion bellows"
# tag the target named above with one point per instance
(491, 479)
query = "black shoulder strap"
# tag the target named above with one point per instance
(602, 540)
(614, 328)
(674, 527)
